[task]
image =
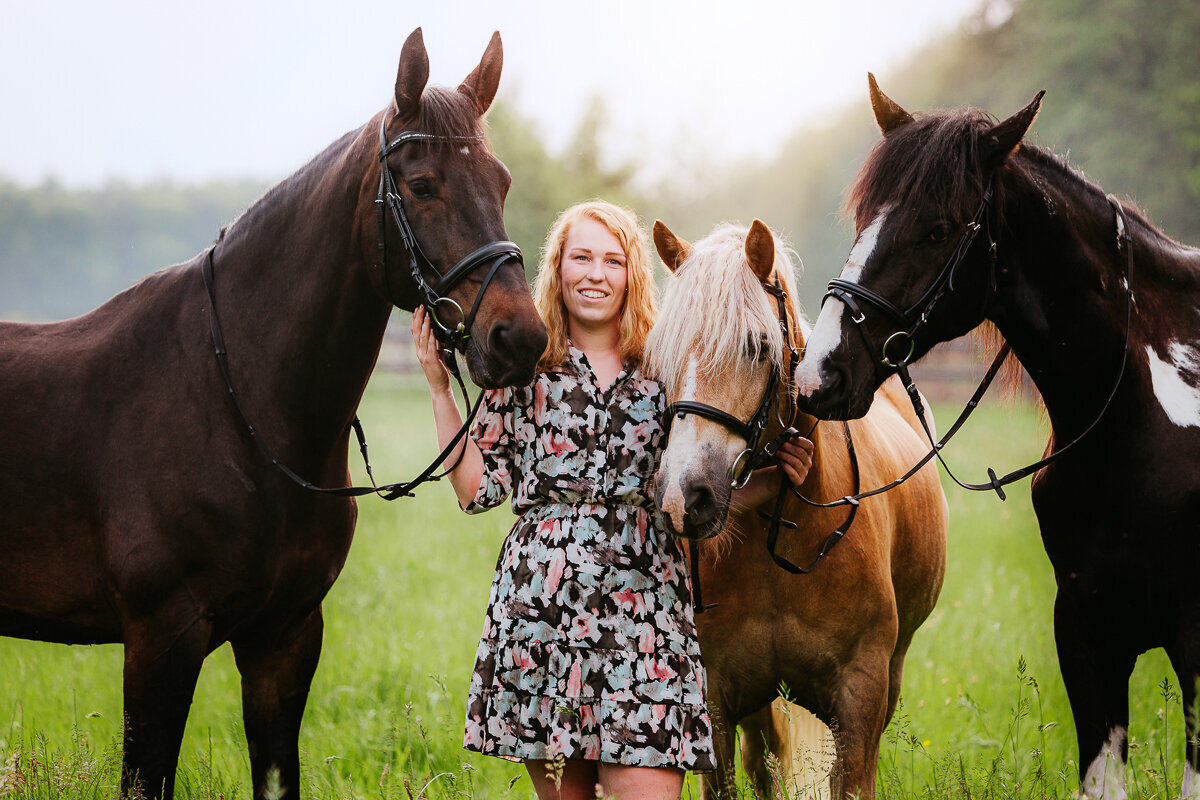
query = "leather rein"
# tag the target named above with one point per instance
(756, 453)
(917, 317)
(453, 336)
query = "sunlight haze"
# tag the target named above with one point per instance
(141, 91)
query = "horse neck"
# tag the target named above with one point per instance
(1062, 300)
(303, 324)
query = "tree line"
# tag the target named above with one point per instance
(1122, 103)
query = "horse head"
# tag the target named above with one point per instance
(922, 268)
(444, 242)
(720, 371)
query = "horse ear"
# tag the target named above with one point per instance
(483, 81)
(760, 250)
(671, 249)
(1004, 137)
(412, 75)
(888, 113)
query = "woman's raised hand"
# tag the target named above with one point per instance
(429, 351)
(795, 456)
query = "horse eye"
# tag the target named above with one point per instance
(421, 189)
(940, 233)
(756, 347)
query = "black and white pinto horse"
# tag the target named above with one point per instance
(960, 223)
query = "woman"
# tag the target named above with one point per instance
(589, 652)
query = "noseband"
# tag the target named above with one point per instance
(451, 336)
(911, 321)
(753, 456)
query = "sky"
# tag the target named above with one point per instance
(142, 91)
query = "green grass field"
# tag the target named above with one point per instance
(983, 714)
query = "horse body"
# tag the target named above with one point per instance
(837, 637)
(1117, 509)
(139, 508)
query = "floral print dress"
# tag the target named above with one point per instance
(589, 648)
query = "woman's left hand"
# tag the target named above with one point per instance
(795, 456)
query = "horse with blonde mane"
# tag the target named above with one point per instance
(836, 637)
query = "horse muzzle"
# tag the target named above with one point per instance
(695, 503)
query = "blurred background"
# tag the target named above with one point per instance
(134, 130)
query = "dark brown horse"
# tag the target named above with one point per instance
(836, 638)
(136, 505)
(960, 222)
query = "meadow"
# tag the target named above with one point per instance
(983, 711)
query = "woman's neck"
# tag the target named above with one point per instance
(602, 346)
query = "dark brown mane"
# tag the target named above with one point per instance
(936, 156)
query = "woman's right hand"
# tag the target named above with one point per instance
(429, 351)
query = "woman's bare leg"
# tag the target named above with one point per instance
(641, 783)
(577, 781)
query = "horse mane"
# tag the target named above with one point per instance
(937, 156)
(716, 276)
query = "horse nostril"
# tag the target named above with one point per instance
(700, 503)
(516, 347)
(509, 337)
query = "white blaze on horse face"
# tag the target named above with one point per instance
(682, 449)
(1175, 383)
(1105, 776)
(827, 334)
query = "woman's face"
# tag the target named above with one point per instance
(593, 275)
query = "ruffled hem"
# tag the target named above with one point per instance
(587, 674)
(520, 726)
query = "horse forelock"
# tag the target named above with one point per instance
(447, 114)
(715, 314)
(935, 158)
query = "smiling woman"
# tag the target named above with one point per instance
(589, 657)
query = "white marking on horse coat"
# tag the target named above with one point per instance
(676, 459)
(1105, 776)
(827, 334)
(1175, 383)
(1190, 790)
(466, 151)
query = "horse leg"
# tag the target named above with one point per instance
(277, 670)
(758, 737)
(160, 679)
(860, 713)
(1096, 672)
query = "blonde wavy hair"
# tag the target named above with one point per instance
(639, 311)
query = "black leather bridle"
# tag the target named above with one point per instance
(918, 316)
(754, 455)
(757, 454)
(452, 337)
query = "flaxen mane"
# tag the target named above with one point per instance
(715, 310)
